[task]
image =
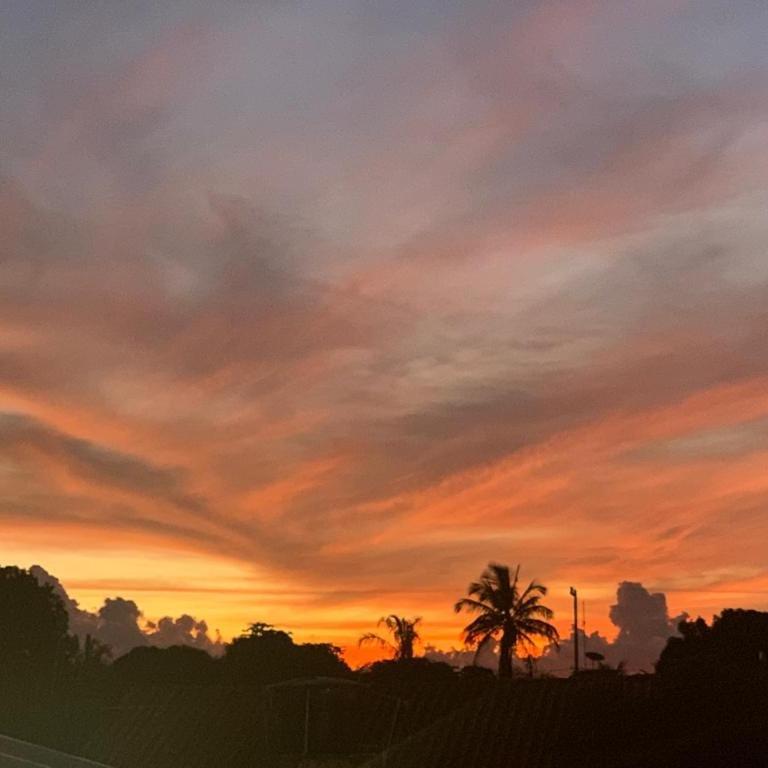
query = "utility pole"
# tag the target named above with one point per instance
(306, 722)
(575, 596)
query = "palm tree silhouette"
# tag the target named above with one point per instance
(404, 635)
(518, 617)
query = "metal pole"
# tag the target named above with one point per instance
(385, 754)
(306, 723)
(575, 596)
(269, 705)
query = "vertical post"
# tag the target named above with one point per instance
(575, 596)
(385, 754)
(268, 707)
(306, 722)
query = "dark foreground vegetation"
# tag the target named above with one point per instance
(275, 703)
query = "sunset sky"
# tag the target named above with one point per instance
(308, 310)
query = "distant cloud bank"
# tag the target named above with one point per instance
(644, 626)
(118, 623)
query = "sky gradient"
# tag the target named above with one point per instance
(309, 310)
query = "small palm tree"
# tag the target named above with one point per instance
(404, 635)
(507, 613)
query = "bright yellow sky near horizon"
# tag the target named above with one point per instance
(229, 596)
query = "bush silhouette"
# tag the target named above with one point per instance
(178, 664)
(264, 654)
(732, 652)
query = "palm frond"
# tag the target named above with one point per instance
(484, 624)
(370, 637)
(541, 628)
(482, 644)
(533, 588)
(468, 604)
(503, 609)
(403, 632)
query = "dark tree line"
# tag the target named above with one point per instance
(36, 648)
(710, 693)
(37, 651)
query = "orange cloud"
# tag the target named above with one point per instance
(355, 315)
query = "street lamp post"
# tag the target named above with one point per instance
(575, 597)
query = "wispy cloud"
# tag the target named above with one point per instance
(362, 299)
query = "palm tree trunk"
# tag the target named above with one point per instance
(505, 654)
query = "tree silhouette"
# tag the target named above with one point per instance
(733, 650)
(597, 659)
(264, 654)
(34, 638)
(404, 636)
(91, 657)
(506, 613)
(177, 664)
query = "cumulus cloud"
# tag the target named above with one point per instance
(81, 622)
(487, 656)
(121, 625)
(644, 626)
(184, 630)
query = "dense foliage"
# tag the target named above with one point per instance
(268, 655)
(269, 700)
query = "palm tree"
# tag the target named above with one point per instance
(404, 635)
(518, 617)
